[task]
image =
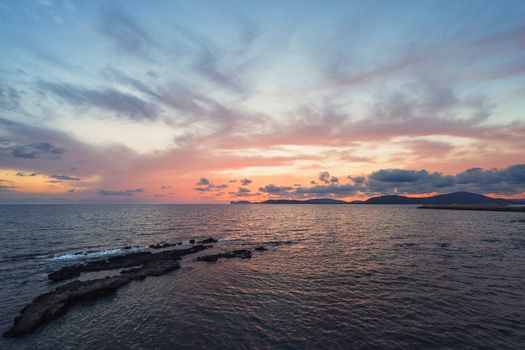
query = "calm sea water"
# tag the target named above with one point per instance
(342, 277)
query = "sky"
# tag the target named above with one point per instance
(212, 101)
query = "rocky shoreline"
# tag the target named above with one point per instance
(240, 253)
(122, 261)
(51, 305)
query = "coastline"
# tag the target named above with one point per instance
(475, 207)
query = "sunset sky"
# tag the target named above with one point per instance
(212, 101)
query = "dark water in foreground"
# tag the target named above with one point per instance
(349, 277)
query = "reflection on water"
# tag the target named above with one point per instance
(335, 276)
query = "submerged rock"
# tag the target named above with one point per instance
(278, 243)
(240, 253)
(154, 268)
(192, 241)
(164, 245)
(122, 261)
(49, 306)
(208, 240)
(261, 249)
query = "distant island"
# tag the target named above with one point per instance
(293, 201)
(456, 198)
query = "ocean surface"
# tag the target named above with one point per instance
(334, 277)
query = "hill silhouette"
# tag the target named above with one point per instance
(449, 198)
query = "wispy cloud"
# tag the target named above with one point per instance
(125, 32)
(65, 178)
(32, 150)
(145, 97)
(122, 104)
(130, 192)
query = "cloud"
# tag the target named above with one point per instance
(203, 189)
(205, 185)
(125, 32)
(242, 192)
(245, 182)
(411, 97)
(324, 177)
(203, 182)
(272, 189)
(509, 180)
(122, 104)
(130, 192)
(32, 150)
(9, 98)
(47, 151)
(398, 175)
(6, 185)
(424, 149)
(208, 62)
(64, 178)
(402, 181)
(515, 174)
(327, 190)
(505, 181)
(421, 108)
(28, 174)
(358, 180)
(480, 176)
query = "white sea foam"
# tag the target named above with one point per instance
(97, 254)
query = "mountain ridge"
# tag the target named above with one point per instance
(449, 198)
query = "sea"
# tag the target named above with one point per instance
(333, 277)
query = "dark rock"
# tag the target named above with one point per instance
(49, 306)
(65, 273)
(162, 245)
(154, 268)
(192, 241)
(208, 240)
(278, 243)
(261, 249)
(115, 262)
(122, 261)
(240, 253)
(166, 245)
